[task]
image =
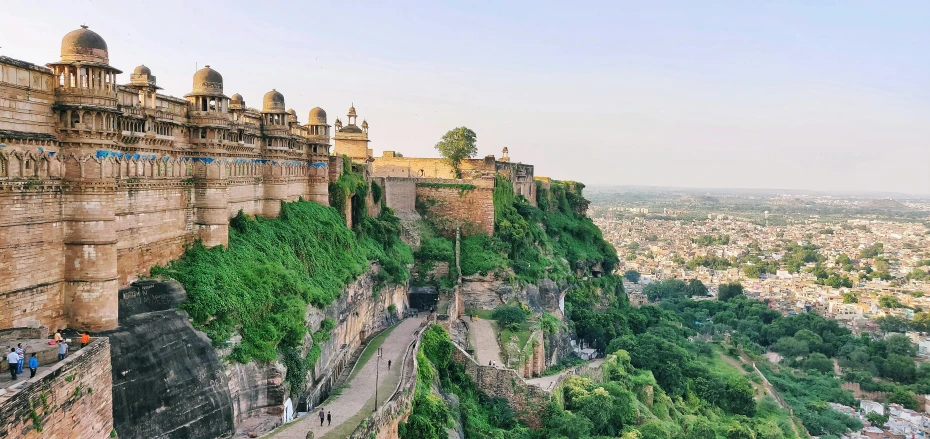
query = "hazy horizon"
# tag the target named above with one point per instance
(821, 97)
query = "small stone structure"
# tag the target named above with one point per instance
(71, 399)
(528, 401)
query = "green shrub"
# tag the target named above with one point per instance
(508, 316)
(262, 283)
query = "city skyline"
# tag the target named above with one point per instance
(821, 97)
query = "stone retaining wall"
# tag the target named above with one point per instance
(528, 401)
(70, 400)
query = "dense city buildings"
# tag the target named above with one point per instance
(841, 266)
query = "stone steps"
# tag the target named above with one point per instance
(350, 366)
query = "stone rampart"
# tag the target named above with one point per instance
(452, 204)
(72, 399)
(528, 401)
(100, 182)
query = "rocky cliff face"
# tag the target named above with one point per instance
(487, 292)
(169, 382)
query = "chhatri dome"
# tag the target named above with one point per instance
(317, 116)
(84, 45)
(273, 102)
(208, 82)
(142, 70)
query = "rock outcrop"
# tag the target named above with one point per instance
(170, 382)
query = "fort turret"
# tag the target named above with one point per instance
(86, 100)
(208, 111)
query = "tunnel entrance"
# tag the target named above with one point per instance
(423, 298)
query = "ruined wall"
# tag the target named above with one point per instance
(399, 193)
(70, 400)
(528, 401)
(447, 204)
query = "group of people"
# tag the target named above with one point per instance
(17, 358)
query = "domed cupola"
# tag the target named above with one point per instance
(207, 82)
(142, 77)
(236, 102)
(292, 115)
(317, 116)
(84, 45)
(273, 102)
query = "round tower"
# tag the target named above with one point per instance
(276, 133)
(85, 95)
(210, 120)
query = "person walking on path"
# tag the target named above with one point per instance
(322, 417)
(22, 358)
(85, 339)
(62, 350)
(389, 364)
(329, 418)
(13, 359)
(33, 365)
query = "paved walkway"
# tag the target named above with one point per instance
(485, 342)
(359, 393)
(547, 382)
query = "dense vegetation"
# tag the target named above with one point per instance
(259, 287)
(549, 241)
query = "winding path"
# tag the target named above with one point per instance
(485, 342)
(548, 381)
(358, 395)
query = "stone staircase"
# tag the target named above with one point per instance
(353, 361)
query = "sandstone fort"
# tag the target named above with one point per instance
(103, 178)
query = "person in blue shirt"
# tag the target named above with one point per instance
(33, 365)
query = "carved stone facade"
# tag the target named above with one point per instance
(101, 181)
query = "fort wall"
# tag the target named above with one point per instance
(450, 204)
(70, 400)
(528, 401)
(99, 182)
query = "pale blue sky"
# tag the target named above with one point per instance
(787, 94)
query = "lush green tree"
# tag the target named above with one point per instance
(728, 291)
(739, 396)
(456, 145)
(697, 287)
(900, 344)
(791, 347)
(737, 430)
(900, 395)
(921, 322)
(768, 430)
(900, 368)
(632, 276)
(561, 423)
(667, 289)
(507, 316)
(818, 362)
(876, 419)
(892, 323)
(850, 297)
(872, 251)
(654, 430)
(701, 428)
(889, 302)
(753, 271)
